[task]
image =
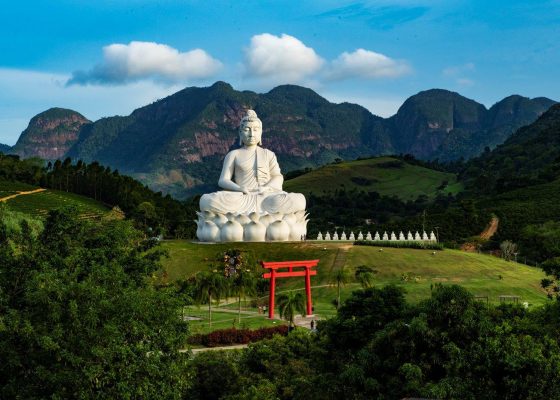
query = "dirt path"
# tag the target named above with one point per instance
(491, 228)
(22, 194)
(486, 234)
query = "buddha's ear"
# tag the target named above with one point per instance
(260, 142)
(240, 141)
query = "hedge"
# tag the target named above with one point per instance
(223, 337)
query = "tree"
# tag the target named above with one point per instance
(509, 249)
(542, 241)
(290, 304)
(147, 211)
(79, 319)
(210, 285)
(365, 275)
(339, 278)
(243, 284)
(551, 267)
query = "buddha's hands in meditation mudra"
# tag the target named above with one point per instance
(251, 178)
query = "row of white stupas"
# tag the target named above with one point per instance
(385, 238)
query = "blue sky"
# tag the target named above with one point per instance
(105, 58)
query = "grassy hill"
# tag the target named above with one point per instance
(416, 270)
(39, 203)
(385, 175)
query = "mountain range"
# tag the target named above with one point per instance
(177, 144)
(4, 148)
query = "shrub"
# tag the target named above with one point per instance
(230, 336)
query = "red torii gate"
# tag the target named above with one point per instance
(274, 273)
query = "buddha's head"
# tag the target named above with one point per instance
(250, 131)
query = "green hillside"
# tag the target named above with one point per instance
(385, 175)
(519, 208)
(416, 270)
(40, 203)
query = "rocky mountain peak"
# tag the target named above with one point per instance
(50, 134)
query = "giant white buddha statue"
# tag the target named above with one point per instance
(252, 206)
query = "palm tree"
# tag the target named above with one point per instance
(365, 275)
(243, 284)
(290, 304)
(210, 285)
(339, 278)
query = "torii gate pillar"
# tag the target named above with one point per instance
(273, 267)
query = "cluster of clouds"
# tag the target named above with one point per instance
(123, 63)
(275, 59)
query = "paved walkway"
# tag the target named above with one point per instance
(22, 194)
(201, 350)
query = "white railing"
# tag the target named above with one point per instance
(385, 237)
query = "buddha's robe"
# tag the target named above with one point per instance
(253, 174)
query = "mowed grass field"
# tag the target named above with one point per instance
(40, 203)
(417, 271)
(385, 175)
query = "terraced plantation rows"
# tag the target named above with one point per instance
(10, 188)
(40, 203)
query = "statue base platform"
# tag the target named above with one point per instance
(252, 227)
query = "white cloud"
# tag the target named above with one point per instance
(281, 59)
(123, 63)
(366, 64)
(460, 74)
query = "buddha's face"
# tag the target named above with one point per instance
(250, 133)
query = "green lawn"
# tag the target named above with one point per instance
(483, 275)
(224, 320)
(382, 175)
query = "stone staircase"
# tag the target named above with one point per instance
(339, 259)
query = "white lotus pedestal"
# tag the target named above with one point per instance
(254, 227)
